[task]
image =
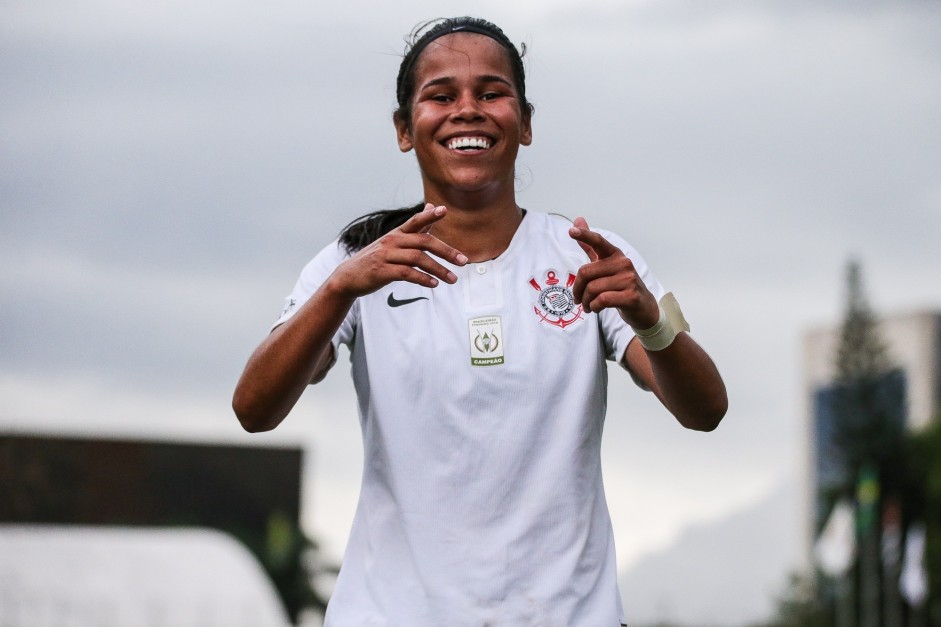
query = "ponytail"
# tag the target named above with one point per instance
(366, 229)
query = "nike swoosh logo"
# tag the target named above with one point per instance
(395, 302)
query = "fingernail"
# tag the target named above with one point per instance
(461, 258)
(575, 231)
(452, 277)
(429, 206)
(434, 282)
(439, 211)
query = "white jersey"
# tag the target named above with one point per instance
(482, 406)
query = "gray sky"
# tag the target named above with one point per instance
(166, 169)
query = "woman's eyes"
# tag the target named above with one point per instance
(487, 96)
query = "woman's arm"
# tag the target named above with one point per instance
(684, 378)
(286, 361)
(681, 375)
(297, 352)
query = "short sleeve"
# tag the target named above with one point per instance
(312, 277)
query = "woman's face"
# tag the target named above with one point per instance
(467, 124)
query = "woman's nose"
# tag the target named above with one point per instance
(467, 107)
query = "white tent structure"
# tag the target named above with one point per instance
(72, 576)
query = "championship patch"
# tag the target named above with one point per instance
(555, 303)
(486, 341)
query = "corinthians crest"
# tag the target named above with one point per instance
(556, 303)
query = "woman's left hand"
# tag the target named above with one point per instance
(609, 279)
(682, 375)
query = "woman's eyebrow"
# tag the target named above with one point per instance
(483, 78)
(442, 80)
(494, 78)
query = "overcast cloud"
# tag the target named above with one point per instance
(167, 169)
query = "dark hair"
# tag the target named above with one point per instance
(427, 32)
(368, 228)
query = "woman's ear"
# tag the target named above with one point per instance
(403, 132)
(526, 134)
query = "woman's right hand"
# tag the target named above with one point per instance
(299, 351)
(402, 254)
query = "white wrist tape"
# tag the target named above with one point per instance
(670, 324)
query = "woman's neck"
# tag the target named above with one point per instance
(480, 232)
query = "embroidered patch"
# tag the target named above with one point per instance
(555, 304)
(486, 341)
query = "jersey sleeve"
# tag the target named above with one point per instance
(616, 333)
(312, 277)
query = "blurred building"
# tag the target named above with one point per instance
(912, 386)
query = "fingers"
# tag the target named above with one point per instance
(594, 244)
(580, 225)
(609, 278)
(408, 253)
(609, 282)
(605, 260)
(412, 275)
(607, 291)
(416, 259)
(424, 219)
(393, 257)
(419, 225)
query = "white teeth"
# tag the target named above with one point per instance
(469, 142)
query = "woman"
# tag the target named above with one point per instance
(478, 333)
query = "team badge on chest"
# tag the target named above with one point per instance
(555, 303)
(486, 341)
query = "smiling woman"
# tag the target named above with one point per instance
(508, 81)
(466, 124)
(478, 333)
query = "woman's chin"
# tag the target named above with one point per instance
(470, 182)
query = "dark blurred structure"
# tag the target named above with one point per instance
(253, 493)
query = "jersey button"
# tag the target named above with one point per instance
(481, 269)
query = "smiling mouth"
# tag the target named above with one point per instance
(468, 143)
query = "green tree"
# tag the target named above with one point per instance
(293, 561)
(869, 425)
(868, 420)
